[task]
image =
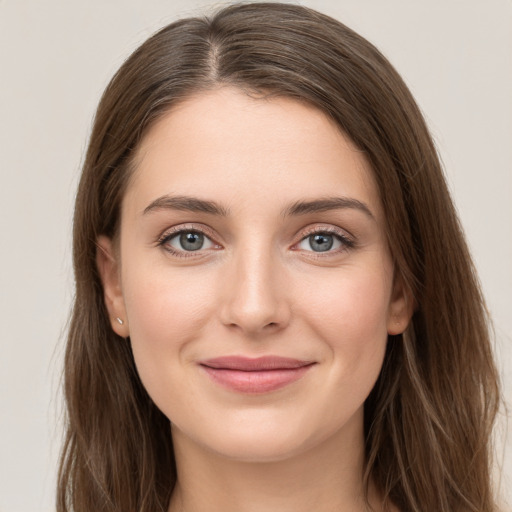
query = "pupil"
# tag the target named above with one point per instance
(191, 241)
(321, 243)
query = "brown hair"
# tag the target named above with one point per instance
(428, 419)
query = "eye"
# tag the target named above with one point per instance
(184, 241)
(325, 241)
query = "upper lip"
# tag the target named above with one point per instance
(248, 364)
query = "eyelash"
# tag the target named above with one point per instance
(347, 242)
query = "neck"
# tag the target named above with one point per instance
(327, 478)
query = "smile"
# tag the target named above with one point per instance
(254, 376)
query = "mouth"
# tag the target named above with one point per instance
(255, 375)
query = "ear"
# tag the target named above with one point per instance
(401, 307)
(109, 270)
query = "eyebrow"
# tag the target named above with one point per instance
(323, 205)
(186, 203)
(194, 204)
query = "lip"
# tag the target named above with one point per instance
(255, 375)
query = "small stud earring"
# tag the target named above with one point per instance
(119, 321)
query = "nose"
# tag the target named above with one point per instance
(254, 300)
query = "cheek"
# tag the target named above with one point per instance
(350, 314)
(166, 311)
(168, 300)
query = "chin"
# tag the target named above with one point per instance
(264, 438)
(259, 448)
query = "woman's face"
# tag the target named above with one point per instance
(253, 276)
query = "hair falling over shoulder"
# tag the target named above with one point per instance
(429, 419)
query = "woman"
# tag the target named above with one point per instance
(275, 305)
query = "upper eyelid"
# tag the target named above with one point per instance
(184, 228)
(343, 234)
(325, 229)
(201, 228)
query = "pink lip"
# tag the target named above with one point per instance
(255, 375)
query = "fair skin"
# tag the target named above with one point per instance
(255, 275)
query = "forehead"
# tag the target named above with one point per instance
(232, 147)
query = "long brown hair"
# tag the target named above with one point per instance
(428, 420)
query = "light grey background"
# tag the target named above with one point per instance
(56, 56)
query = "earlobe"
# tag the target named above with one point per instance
(108, 268)
(401, 307)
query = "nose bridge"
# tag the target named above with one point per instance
(255, 300)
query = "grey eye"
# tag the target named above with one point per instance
(190, 241)
(320, 242)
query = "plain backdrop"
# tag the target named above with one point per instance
(56, 57)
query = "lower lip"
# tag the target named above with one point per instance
(254, 382)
